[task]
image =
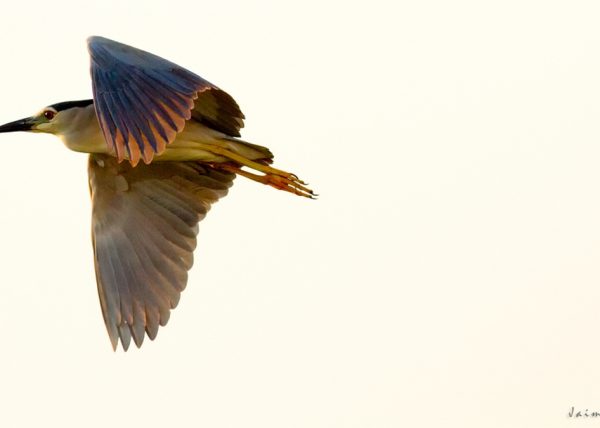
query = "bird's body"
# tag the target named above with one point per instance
(79, 130)
(145, 215)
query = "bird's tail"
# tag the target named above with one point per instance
(248, 150)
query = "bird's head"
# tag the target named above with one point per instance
(54, 119)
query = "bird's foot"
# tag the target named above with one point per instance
(275, 178)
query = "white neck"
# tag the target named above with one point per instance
(79, 130)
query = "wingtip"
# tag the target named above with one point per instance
(114, 341)
(91, 40)
(96, 42)
(94, 38)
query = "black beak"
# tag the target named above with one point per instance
(18, 125)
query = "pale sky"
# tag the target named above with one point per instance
(447, 276)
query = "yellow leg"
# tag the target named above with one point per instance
(276, 181)
(250, 163)
(277, 178)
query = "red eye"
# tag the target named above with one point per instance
(49, 114)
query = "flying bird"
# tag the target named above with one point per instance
(163, 146)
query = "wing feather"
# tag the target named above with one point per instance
(144, 226)
(142, 101)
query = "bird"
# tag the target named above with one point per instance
(164, 144)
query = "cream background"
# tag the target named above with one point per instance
(448, 276)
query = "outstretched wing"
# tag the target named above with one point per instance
(142, 101)
(144, 226)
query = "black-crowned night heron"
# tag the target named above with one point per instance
(145, 215)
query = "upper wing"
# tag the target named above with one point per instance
(144, 226)
(142, 101)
